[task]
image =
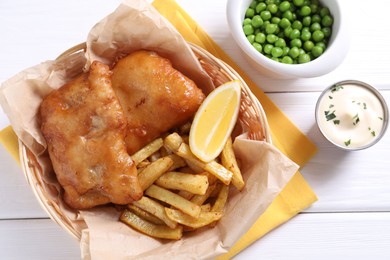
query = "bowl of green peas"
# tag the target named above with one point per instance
(289, 38)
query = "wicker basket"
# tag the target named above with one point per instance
(252, 119)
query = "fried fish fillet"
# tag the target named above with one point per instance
(85, 126)
(155, 96)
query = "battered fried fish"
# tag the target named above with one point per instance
(154, 96)
(84, 126)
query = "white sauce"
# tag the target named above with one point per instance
(350, 115)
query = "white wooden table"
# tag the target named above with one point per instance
(351, 220)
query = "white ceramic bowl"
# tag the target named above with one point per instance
(332, 57)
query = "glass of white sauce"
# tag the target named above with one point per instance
(352, 115)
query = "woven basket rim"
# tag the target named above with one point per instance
(29, 163)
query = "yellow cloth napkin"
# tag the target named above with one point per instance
(297, 195)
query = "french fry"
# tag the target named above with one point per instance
(178, 162)
(205, 207)
(150, 229)
(204, 219)
(185, 194)
(228, 160)
(174, 200)
(200, 199)
(194, 183)
(156, 209)
(176, 144)
(145, 215)
(220, 202)
(153, 171)
(147, 151)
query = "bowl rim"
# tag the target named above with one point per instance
(367, 86)
(332, 57)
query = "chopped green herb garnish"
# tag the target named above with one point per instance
(353, 101)
(329, 116)
(330, 97)
(336, 88)
(381, 118)
(348, 142)
(373, 133)
(331, 105)
(336, 122)
(356, 119)
(364, 106)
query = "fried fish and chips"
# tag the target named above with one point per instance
(93, 123)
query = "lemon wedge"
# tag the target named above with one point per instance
(214, 121)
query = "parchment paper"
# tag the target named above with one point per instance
(137, 25)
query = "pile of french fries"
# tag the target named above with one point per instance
(181, 192)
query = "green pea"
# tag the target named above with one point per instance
(257, 21)
(261, 7)
(268, 48)
(271, 28)
(287, 31)
(297, 25)
(324, 11)
(295, 33)
(260, 38)
(296, 43)
(306, 21)
(294, 52)
(253, 4)
(251, 38)
(303, 58)
(305, 35)
(327, 31)
(275, 20)
(314, 8)
(280, 43)
(284, 23)
(308, 46)
(321, 44)
(315, 27)
(247, 21)
(305, 10)
(272, 38)
(275, 59)
(284, 6)
(287, 60)
(257, 46)
(316, 18)
(327, 21)
(248, 29)
(273, 8)
(265, 15)
(305, 29)
(318, 36)
(276, 52)
(286, 50)
(249, 13)
(317, 51)
(301, 51)
(298, 2)
(289, 15)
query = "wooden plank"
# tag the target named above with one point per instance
(326, 236)
(307, 236)
(36, 239)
